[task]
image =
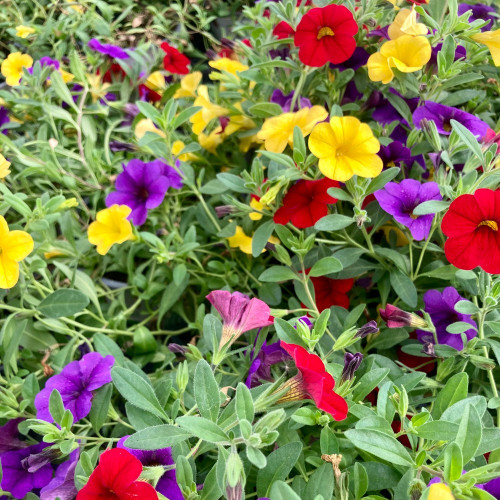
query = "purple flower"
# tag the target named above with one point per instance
(17, 480)
(4, 118)
(167, 485)
(460, 53)
(62, 485)
(9, 436)
(285, 101)
(479, 11)
(441, 308)
(283, 53)
(492, 487)
(116, 146)
(399, 200)
(108, 49)
(386, 113)
(441, 115)
(359, 58)
(395, 154)
(142, 186)
(260, 369)
(75, 384)
(380, 32)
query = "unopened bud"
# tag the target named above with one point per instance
(370, 328)
(224, 210)
(177, 349)
(397, 318)
(351, 364)
(36, 461)
(429, 349)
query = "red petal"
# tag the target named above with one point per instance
(119, 469)
(463, 216)
(339, 47)
(303, 359)
(340, 19)
(140, 491)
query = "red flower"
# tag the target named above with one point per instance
(114, 74)
(115, 478)
(283, 30)
(174, 61)
(325, 34)
(148, 94)
(472, 224)
(330, 292)
(313, 382)
(305, 203)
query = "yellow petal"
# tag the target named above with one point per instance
(4, 167)
(9, 272)
(24, 31)
(111, 226)
(241, 240)
(146, 125)
(440, 491)
(406, 23)
(155, 81)
(492, 40)
(323, 141)
(17, 245)
(379, 69)
(408, 51)
(189, 84)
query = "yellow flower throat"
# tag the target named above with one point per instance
(325, 31)
(490, 223)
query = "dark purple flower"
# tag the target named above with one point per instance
(479, 11)
(16, 478)
(75, 384)
(4, 118)
(441, 115)
(460, 53)
(386, 113)
(351, 364)
(351, 93)
(359, 58)
(396, 154)
(9, 436)
(285, 101)
(441, 308)
(399, 200)
(492, 487)
(260, 369)
(282, 53)
(108, 49)
(62, 486)
(36, 461)
(167, 485)
(380, 32)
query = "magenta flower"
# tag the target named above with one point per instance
(62, 485)
(75, 384)
(108, 49)
(239, 313)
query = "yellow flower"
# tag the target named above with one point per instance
(345, 147)
(77, 8)
(97, 89)
(189, 84)
(401, 238)
(66, 76)
(155, 81)
(208, 112)
(177, 147)
(405, 23)
(492, 40)
(226, 64)
(14, 247)
(244, 243)
(4, 167)
(239, 122)
(111, 226)
(257, 205)
(146, 125)
(407, 53)
(12, 67)
(24, 31)
(212, 140)
(52, 254)
(247, 141)
(277, 131)
(440, 491)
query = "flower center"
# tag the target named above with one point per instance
(143, 193)
(489, 223)
(325, 31)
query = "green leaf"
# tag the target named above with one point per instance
(340, 194)
(466, 307)
(404, 287)
(157, 437)
(206, 391)
(368, 382)
(380, 445)
(11, 335)
(211, 490)
(454, 390)
(430, 207)
(256, 457)
(261, 237)
(244, 403)
(56, 406)
(62, 91)
(381, 180)
(278, 273)
(326, 265)
(149, 111)
(100, 406)
(467, 138)
(281, 491)
(469, 433)
(299, 145)
(63, 303)
(287, 333)
(438, 430)
(359, 480)
(184, 116)
(203, 429)
(333, 222)
(321, 482)
(265, 109)
(459, 327)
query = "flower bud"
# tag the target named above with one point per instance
(177, 349)
(36, 461)
(351, 364)
(224, 210)
(396, 318)
(369, 328)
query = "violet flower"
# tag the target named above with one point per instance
(460, 53)
(370, 328)
(239, 313)
(395, 154)
(382, 32)
(75, 384)
(62, 485)
(359, 58)
(285, 101)
(441, 308)
(167, 485)
(442, 115)
(479, 11)
(399, 200)
(108, 49)
(260, 369)
(4, 118)
(9, 436)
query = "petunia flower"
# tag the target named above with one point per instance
(111, 226)
(399, 200)
(277, 131)
(305, 203)
(345, 147)
(115, 478)
(260, 368)
(396, 154)
(312, 382)
(479, 11)
(75, 383)
(441, 308)
(62, 485)
(492, 40)
(406, 23)
(24, 31)
(208, 112)
(285, 101)
(331, 292)
(442, 115)
(471, 224)
(189, 84)
(174, 61)
(440, 491)
(12, 67)
(107, 49)
(359, 58)
(351, 363)
(239, 313)
(9, 436)
(326, 34)
(4, 119)
(4, 167)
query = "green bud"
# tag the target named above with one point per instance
(345, 339)
(182, 377)
(282, 255)
(446, 368)
(234, 469)
(270, 421)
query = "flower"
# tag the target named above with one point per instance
(15, 246)
(4, 167)
(226, 64)
(405, 23)
(243, 242)
(351, 364)
(492, 40)
(260, 369)
(211, 141)
(111, 226)
(208, 112)
(239, 313)
(62, 485)
(479, 11)
(174, 61)
(108, 49)
(306, 203)
(12, 67)
(471, 224)
(441, 308)
(24, 31)
(345, 147)
(326, 34)
(189, 84)
(17, 480)
(167, 484)
(407, 53)
(146, 125)
(283, 30)
(397, 318)
(4, 119)
(399, 200)
(115, 478)
(396, 154)
(331, 292)
(75, 383)
(277, 131)
(9, 436)
(359, 58)
(285, 101)
(258, 207)
(177, 147)
(440, 491)
(442, 115)
(370, 328)
(312, 382)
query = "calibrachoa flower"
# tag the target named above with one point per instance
(312, 382)
(24, 31)
(243, 242)
(62, 485)
(351, 364)
(395, 154)
(305, 203)
(471, 224)
(108, 49)
(226, 64)
(283, 30)
(326, 34)
(399, 200)
(189, 84)
(9, 436)
(479, 11)
(331, 292)
(15, 246)
(492, 40)
(260, 369)
(239, 313)
(406, 23)
(441, 308)
(4, 167)
(345, 147)
(208, 112)
(115, 478)
(442, 115)
(174, 61)
(111, 226)
(277, 131)
(75, 383)
(285, 101)
(146, 125)
(12, 67)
